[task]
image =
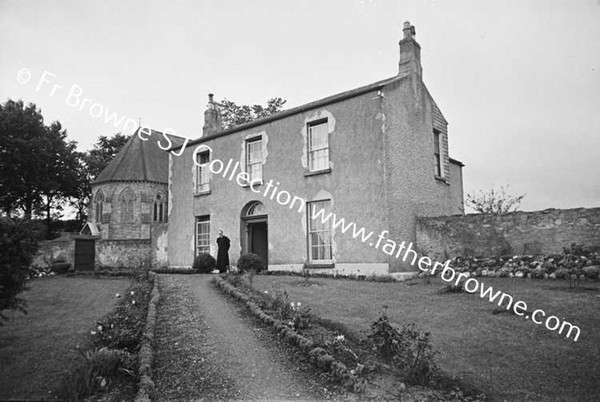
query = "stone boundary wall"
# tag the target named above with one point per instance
(123, 253)
(60, 249)
(516, 233)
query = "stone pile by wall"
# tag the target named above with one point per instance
(574, 263)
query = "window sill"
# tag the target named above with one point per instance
(258, 183)
(320, 265)
(442, 179)
(201, 193)
(317, 172)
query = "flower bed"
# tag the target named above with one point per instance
(118, 341)
(390, 363)
(318, 355)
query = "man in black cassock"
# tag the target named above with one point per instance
(223, 253)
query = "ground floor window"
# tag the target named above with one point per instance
(319, 233)
(202, 234)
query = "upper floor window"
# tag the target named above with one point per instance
(202, 234)
(127, 204)
(202, 172)
(254, 158)
(437, 155)
(319, 233)
(159, 209)
(99, 201)
(318, 146)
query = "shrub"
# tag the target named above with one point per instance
(592, 272)
(250, 263)
(407, 348)
(204, 263)
(19, 241)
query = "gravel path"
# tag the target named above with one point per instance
(207, 349)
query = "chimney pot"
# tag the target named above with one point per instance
(408, 30)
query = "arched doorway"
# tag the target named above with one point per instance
(254, 231)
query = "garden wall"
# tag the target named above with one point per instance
(60, 249)
(516, 233)
(123, 253)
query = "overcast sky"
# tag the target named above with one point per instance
(518, 81)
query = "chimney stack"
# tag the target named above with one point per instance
(212, 120)
(410, 52)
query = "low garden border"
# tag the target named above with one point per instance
(146, 385)
(317, 355)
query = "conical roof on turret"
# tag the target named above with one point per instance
(141, 160)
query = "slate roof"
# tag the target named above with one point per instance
(140, 160)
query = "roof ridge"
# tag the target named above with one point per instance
(298, 109)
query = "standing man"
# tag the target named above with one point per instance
(223, 253)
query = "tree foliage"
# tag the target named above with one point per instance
(19, 240)
(38, 164)
(103, 151)
(494, 201)
(233, 114)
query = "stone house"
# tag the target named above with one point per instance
(128, 211)
(376, 156)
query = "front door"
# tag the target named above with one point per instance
(258, 240)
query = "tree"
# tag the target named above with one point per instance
(102, 153)
(60, 160)
(38, 164)
(19, 240)
(234, 115)
(22, 133)
(494, 201)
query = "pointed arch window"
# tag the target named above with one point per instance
(127, 204)
(160, 208)
(98, 204)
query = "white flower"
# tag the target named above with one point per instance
(99, 328)
(118, 295)
(340, 338)
(93, 332)
(132, 292)
(299, 304)
(133, 302)
(266, 291)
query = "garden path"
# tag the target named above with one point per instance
(207, 349)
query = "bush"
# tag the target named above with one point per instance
(19, 241)
(250, 263)
(407, 348)
(204, 263)
(592, 272)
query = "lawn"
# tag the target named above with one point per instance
(37, 349)
(505, 356)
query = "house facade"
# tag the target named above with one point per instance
(375, 156)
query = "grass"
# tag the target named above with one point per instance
(37, 349)
(505, 356)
